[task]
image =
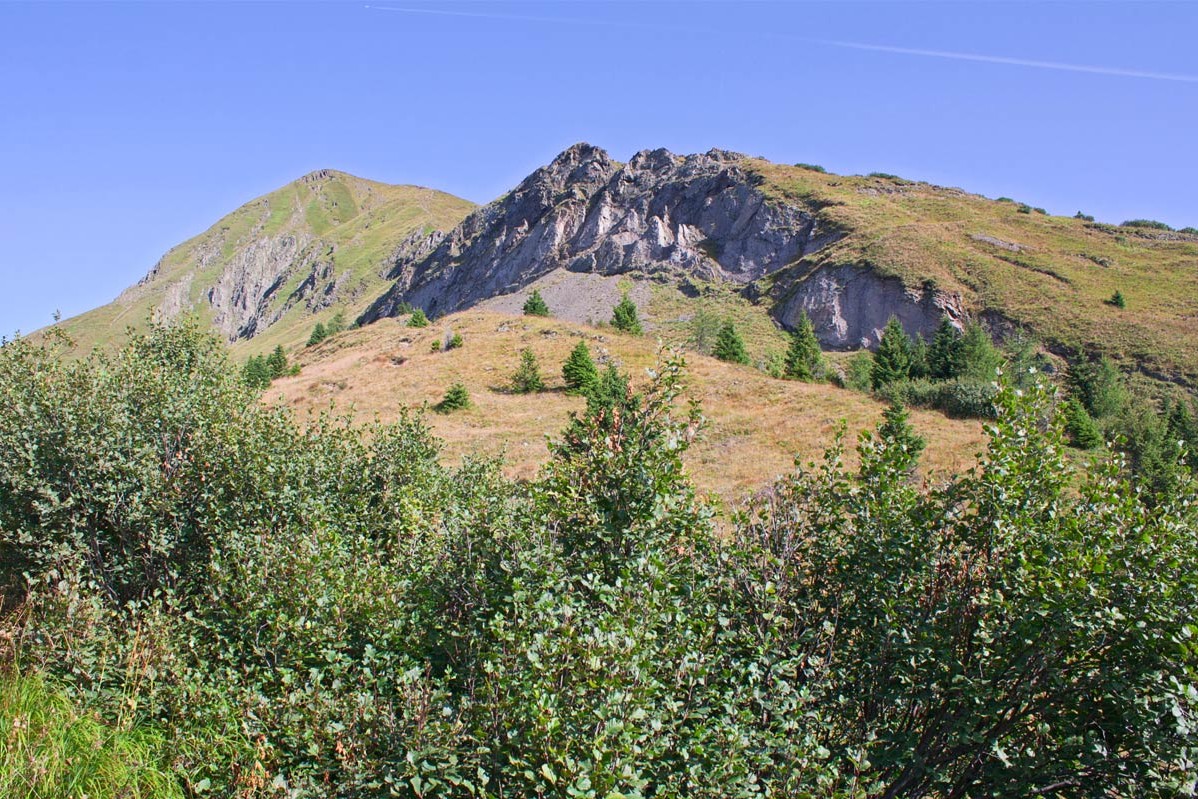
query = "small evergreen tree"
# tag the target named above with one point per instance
(609, 391)
(276, 363)
(1182, 426)
(919, 358)
(624, 317)
(1080, 428)
(337, 324)
(319, 334)
(729, 346)
(892, 361)
(455, 399)
(535, 305)
(418, 318)
(977, 357)
(453, 341)
(944, 354)
(896, 431)
(803, 357)
(527, 377)
(579, 370)
(1098, 385)
(1117, 300)
(255, 373)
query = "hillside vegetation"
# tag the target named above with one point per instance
(758, 424)
(1014, 265)
(262, 607)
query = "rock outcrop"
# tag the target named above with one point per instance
(660, 217)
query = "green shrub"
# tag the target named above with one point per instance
(858, 372)
(729, 346)
(456, 398)
(1193, 231)
(1098, 385)
(812, 168)
(453, 341)
(1080, 429)
(535, 305)
(1150, 224)
(1083, 217)
(1117, 300)
(527, 377)
(418, 318)
(624, 317)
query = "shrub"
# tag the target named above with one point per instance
(1117, 300)
(1098, 385)
(704, 329)
(858, 373)
(977, 357)
(456, 398)
(336, 324)
(1024, 208)
(1193, 231)
(729, 346)
(812, 168)
(535, 305)
(1150, 224)
(527, 377)
(1083, 217)
(453, 341)
(1004, 200)
(884, 175)
(579, 370)
(418, 318)
(624, 317)
(804, 360)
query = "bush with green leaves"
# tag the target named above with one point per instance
(624, 317)
(418, 318)
(323, 610)
(527, 377)
(1148, 224)
(579, 370)
(729, 346)
(535, 305)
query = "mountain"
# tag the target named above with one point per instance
(265, 273)
(850, 251)
(735, 235)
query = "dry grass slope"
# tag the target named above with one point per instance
(757, 424)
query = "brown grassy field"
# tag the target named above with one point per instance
(757, 424)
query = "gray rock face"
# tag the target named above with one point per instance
(660, 215)
(849, 306)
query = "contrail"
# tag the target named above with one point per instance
(879, 48)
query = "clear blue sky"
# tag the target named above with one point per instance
(125, 129)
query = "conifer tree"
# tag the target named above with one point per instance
(892, 361)
(579, 370)
(729, 346)
(535, 305)
(803, 357)
(455, 399)
(609, 391)
(319, 334)
(418, 318)
(1117, 300)
(978, 359)
(624, 317)
(1098, 385)
(944, 353)
(276, 363)
(896, 431)
(527, 378)
(1080, 428)
(919, 358)
(336, 324)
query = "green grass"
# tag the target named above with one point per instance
(48, 748)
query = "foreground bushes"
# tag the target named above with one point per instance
(328, 611)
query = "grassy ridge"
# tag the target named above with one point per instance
(346, 224)
(1048, 273)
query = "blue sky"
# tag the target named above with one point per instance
(126, 128)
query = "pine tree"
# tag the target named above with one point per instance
(944, 354)
(319, 334)
(729, 346)
(978, 358)
(418, 318)
(896, 431)
(256, 373)
(804, 356)
(919, 358)
(527, 378)
(892, 361)
(535, 305)
(1182, 426)
(579, 370)
(276, 363)
(337, 324)
(1117, 300)
(455, 399)
(624, 317)
(1080, 428)
(609, 391)
(1098, 385)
